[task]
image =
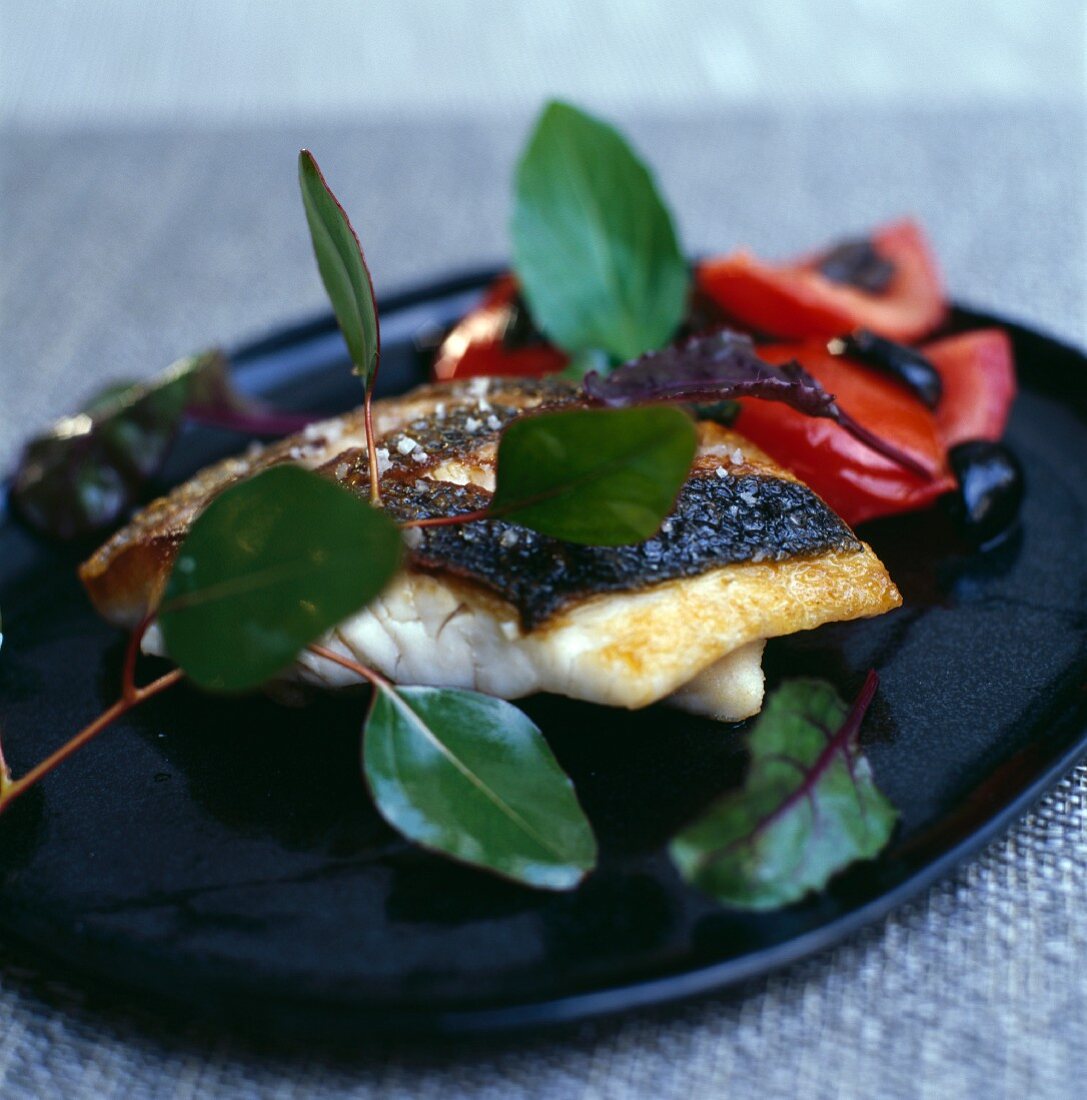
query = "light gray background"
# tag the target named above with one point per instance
(148, 207)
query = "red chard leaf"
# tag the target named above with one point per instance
(809, 808)
(721, 366)
(88, 470)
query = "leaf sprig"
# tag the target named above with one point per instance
(84, 473)
(594, 246)
(350, 288)
(809, 807)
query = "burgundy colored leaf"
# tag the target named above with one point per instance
(723, 365)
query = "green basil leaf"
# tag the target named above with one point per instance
(342, 266)
(269, 566)
(594, 247)
(809, 808)
(471, 777)
(85, 473)
(602, 477)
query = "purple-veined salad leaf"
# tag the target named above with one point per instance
(808, 809)
(725, 365)
(86, 472)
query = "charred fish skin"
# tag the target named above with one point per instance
(716, 521)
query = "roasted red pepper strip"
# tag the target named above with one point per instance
(978, 374)
(796, 301)
(475, 346)
(855, 481)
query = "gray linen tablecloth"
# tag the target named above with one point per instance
(123, 250)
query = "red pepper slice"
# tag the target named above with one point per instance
(475, 346)
(796, 301)
(854, 480)
(978, 373)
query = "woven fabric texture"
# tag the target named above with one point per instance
(124, 250)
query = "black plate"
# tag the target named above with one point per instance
(224, 856)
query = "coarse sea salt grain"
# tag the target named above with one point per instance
(509, 538)
(383, 460)
(471, 424)
(737, 457)
(493, 423)
(405, 444)
(419, 456)
(721, 471)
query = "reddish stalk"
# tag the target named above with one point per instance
(123, 705)
(374, 678)
(5, 773)
(132, 651)
(371, 448)
(450, 521)
(255, 420)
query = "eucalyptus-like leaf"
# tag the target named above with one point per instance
(343, 269)
(269, 566)
(88, 470)
(594, 247)
(602, 477)
(809, 808)
(471, 777)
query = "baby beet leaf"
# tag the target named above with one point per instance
(602, 477)
(808, 809)
(88, 470)
(265, 570)
(594, 247)
(343, 268)
(723, 365)
(471, 777)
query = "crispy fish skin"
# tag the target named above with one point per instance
(125, 576)
(637, 638)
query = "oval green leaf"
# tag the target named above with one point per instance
(471, 777)
(809, 808)
(601, 477)
(594, 247)
(343, 269)
(265, 570)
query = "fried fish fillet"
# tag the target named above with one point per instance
(749, 553)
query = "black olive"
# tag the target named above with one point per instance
(990, 488)
(520, 330)
(906, 365)
(857, 263)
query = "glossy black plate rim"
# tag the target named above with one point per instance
(356, 1018)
